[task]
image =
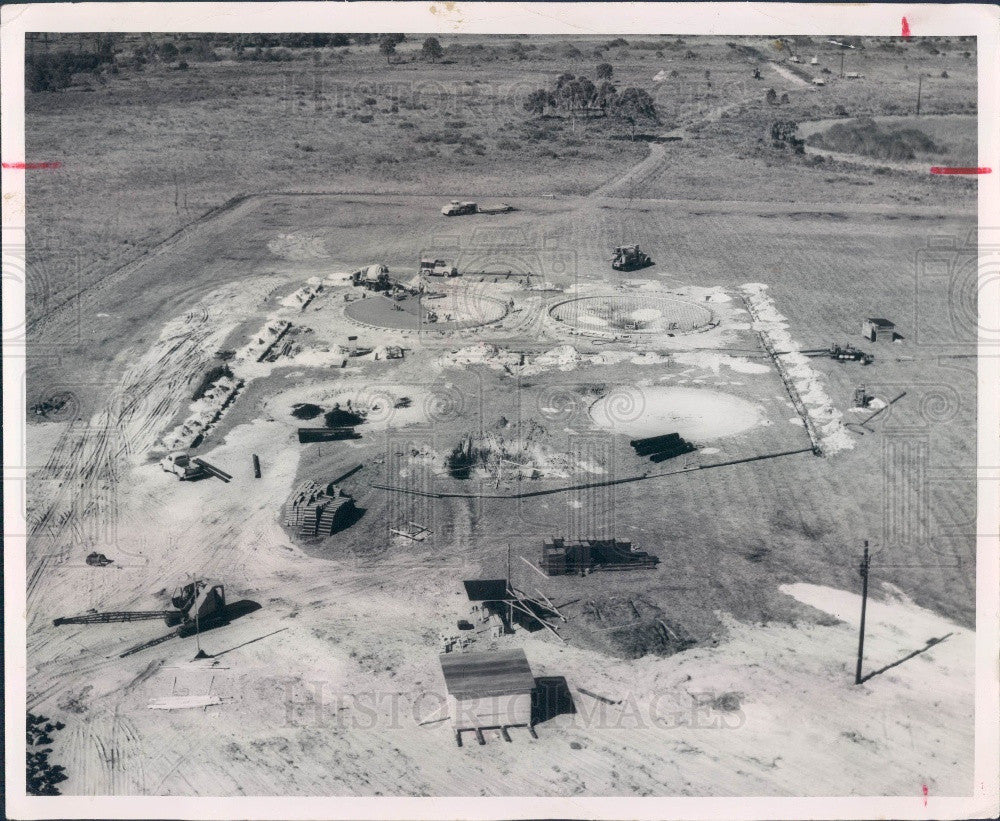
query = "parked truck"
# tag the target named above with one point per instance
(437, 268)
(457, 208)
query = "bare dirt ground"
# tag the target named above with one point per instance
(333, 686)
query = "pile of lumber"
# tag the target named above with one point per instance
(317, 510)
(661, 448)
(327, 434)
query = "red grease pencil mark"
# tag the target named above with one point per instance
(906, 30)
(925, 786)
(938, 169)
(31, 166)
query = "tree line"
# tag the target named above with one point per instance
(578, 95)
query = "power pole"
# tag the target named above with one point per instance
(842, 64)
(510, 592)
(920, 81)
(865, 564)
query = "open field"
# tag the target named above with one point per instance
(748, 621)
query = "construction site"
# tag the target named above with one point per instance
(473, 491)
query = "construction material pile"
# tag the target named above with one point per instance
(317, 510)
(561, 557)
(661, 448)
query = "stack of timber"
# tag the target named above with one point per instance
(327, 434)
(317, 510)
(661, 448)
(562, 557)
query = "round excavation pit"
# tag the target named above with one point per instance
(455, 310)
(696, 414)
(628, 314)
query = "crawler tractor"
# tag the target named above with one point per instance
(630, 258)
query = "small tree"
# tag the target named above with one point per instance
(771, 98)
(783, 134)
(432, 49)
(168, 52)
(605, 97)
(605, 71)
(537, 101)
(635, 106)
(387, 46)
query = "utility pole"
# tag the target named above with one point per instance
(510, 592)
(920, 81)
(841, 64)
(865, 564)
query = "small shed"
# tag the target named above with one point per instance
(876, 325)
(487, 599)
(491, 690)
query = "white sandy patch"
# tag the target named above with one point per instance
(714, 361)
(698, 415)
(807, 381)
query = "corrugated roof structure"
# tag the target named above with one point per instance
(480, 675)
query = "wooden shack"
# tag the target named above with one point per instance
(490, 690)
(874, 326)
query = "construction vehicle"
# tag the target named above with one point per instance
(842, 353)
(180, 464)
(848, 353)
(497, 208)
(196, 606)
(630, 258)
(373, 277)
(188, 469)
(456, 208)
(437, 268)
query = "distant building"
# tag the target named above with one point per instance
(488, 690)
(874, 326)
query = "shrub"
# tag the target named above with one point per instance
(864, 136)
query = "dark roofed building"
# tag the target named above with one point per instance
(487, 590)
(876, 325)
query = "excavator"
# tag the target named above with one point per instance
(197, 606)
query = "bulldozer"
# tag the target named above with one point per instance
(630, 258)
(189, 469)
(179, 463)
(196, 606)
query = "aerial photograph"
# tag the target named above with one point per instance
(457, 414)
